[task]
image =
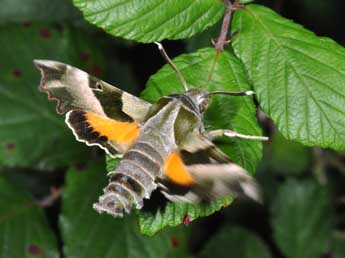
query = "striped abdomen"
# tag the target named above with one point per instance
(132, 181)
(134, 178)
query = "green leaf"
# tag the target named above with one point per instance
(88, 234)
(225, 112)
(24, 230)
(111, 163)
(234, 242)
(298, 77)
(155, 20)
(338, 247)
(174, 214)
(246, 1)
(29, 125)
(287, 157)
(36, 10)
(302, 217)
(204, 39)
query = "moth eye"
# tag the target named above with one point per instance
(203, 104)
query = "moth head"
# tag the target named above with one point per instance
(200, 97)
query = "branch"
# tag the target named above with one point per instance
(49, 200)
(222, 39)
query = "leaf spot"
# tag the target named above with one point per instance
(27, 24)
(17, 73)
(10, 147)
(45, 33)
(35, 250)
(174, 242)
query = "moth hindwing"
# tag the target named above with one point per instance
(164, 145)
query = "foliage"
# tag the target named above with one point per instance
(31, 114)
(241, 242)
(307, 217)
(24, 228)
(298, 78)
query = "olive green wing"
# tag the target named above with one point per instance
(97, 112)
(74, 89)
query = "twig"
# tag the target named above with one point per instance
(340, 234)
(222, 39)
(319, 169)
(49, 200)
(341, 200)
(55, 194)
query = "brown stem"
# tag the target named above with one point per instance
(222, 39)
(49, 200)
(319, 169)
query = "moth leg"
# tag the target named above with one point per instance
(232, 134)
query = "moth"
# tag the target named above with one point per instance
(164, 145)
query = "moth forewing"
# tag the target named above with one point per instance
(67, 85)
(96, 111)
(74, 89)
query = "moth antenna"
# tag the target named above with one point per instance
(239, 93)
(173, 66)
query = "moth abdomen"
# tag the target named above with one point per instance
(121, 194)
(147, 163)
(143, 163)
(131, 185)
(132, 181)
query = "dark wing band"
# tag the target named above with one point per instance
(97, 112)
(111, 135)
(206, 174)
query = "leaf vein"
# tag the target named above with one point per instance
(109, 8)
(313, 98)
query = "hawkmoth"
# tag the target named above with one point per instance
(164, 145)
